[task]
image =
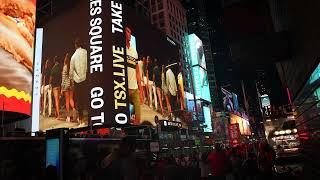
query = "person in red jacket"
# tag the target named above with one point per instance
(218, 162)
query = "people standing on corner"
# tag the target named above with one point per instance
(47, 89)
(204, 166)
(55, 81)
(78, 74)
(266, 160)
(218, 162)
(133, 76)
(250, 167)
(67, 86)
(122, 162)
(235, 163)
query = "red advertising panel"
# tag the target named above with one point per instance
(234, 134)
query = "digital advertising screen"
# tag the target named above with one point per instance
(17, 26)
(196, 58)
(201, 83)
(83, 74)
(102, 64)
(196, 51)
(244, 124)
(208, 119)
(53, 152)
(155, 78)
(228, 101)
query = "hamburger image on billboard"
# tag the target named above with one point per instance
(17, 23)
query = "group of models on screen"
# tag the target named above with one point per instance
(152, 83)
(66, 80)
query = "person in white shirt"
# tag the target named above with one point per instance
(133, 76)
(78, 74)
(172, 86)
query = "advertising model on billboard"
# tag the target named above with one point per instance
(107, 69)
(83, 74)
(197, 60)
(155, 79)
(17, 23)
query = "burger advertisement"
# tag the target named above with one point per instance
(17, 27)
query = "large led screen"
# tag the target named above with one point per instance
(83, 74)
(243, 124)
(104, 65)
(155, 75)
(208, 120)
(196, 51)
(201, 83)
(17, 23)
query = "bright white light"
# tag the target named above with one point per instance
(37, 82)
(268, 120)
(295, 130)
(288, 131)
(282, 132)
(276, 133)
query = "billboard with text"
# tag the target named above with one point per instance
(107, 69)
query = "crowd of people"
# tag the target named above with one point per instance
(64, 79)
(244, 162)
(152, 83)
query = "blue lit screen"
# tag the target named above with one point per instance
(52, 152)
(207, 118)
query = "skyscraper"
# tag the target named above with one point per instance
(170, 17)
(197, 24)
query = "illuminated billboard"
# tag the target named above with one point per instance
(196, 57)
(196, 51)
(155, 78)
(83, 74)
(207, 118)
(105, 71)
(201, 83)
(244, 124)
(17, 26)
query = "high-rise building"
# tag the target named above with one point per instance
(197, 24)
(141, 7)
(170, 17)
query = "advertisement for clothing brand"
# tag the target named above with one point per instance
(17, 26)
(155, 78)
(107, 69)
(83, 78)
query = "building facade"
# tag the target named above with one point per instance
(198, 24)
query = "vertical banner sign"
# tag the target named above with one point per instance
(234, 134)
(107, 67)
(120, 103)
